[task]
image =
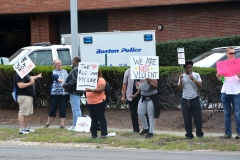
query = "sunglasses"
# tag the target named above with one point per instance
(58, 63)
(232, 53)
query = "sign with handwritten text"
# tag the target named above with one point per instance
(228, 68)
(87, 75)
(144, 67)
(24, 66)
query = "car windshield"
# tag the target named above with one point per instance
(20, 51)
(208, 61)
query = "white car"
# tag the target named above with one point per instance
(210, 58)
(43, 54)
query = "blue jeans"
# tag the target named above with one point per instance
(227, 101)
(75, 105)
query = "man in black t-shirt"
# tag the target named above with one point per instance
(25, 91)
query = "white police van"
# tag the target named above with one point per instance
(114, 48)
(43, 54)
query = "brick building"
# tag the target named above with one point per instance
(30, 21)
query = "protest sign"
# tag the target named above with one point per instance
(87, 75)
(181, 55)
(24, 66)
(228, 68)
(144, 67)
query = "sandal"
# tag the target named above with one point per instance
(47, 125)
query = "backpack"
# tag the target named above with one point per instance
(161, 88)
(107, 91)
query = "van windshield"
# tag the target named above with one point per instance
(20, 51)
(209, 60)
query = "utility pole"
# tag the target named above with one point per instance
(74, 27)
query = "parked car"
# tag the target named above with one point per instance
(210, 58)
(43, 54)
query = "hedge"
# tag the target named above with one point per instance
(114, 76)
(167, 51)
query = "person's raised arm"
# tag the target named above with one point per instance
(180, 82)
(37, 76)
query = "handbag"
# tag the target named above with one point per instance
(83, 124)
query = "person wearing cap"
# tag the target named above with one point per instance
(189, 83)
(230, 97)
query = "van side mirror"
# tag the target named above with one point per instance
(63, 42)
(4, 61)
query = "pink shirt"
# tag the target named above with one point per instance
(95, 98)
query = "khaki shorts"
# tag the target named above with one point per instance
(25, 105)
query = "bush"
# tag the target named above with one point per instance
(114, 76)
(167, 51)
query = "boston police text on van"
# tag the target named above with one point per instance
(132, 49)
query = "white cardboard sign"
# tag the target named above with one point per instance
(181, 56)
(144, 67)
(24, 66)
(87, 75)
(181, 61)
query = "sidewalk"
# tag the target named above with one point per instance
(178, 133)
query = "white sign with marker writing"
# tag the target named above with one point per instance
(144, 67)
(87, 75)
(181, 56)
(24, 66)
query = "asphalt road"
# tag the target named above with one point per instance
(45, 153)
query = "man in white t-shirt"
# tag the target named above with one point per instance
(189, 83)
(230, 97)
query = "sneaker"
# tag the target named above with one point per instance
(71, 128)
(93, 137)
(102, 137)
(237, 136)
(136, 131)
(149, 135)
(189, 136)
(226, 136)
(62, 127)
(28, 129)
(47, 125)
(23, 131)
(144, 131)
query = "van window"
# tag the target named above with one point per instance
(64, 56)
(41, 57)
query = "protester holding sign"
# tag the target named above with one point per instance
(129, 88)
(189, 83)
(59, 98)
(96, 102)
(230, 96)
(70, 87)
(149, 103)
(25, 91)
